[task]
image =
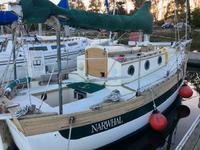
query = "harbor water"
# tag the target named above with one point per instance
(181, 115)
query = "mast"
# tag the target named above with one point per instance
(13, 49)
(40, 29)
(188, 11)
(59, 66)
(176, 21)
(107, 6)
(114, 9)
(146, 36)
(58, 28)
(66, 27)
(188, 19)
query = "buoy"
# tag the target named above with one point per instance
(158, 121)
(185, 91)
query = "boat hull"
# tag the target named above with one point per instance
(97, 136)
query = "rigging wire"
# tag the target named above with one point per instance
(47, 86)
(153, 99)
(21, 29)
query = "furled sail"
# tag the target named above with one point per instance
(38, 11)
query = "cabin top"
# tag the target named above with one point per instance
(121, 53)
(115, 48)
(121, 62)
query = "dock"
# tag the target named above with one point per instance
(191, 140)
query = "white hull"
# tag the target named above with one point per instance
(54, 140)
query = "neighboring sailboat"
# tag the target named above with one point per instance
(111, 95)
(44, 46)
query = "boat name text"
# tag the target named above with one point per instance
(107, 124)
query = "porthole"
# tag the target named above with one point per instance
(159, 60)
(131, 70)
(147, 65)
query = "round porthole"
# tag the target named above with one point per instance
(147, 65)
(159, 60)
(131, 70)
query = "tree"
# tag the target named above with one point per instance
(154, 8)
(181, 6)
(169, 10)
(138, 3)
(95, 6)
(117, 6)
(120, 10)
(77, 4)
(196, 17)
(112, 5)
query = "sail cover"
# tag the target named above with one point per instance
(38, 11)
(7, 17)
(63, 4)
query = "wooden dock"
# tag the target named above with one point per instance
(191, 140)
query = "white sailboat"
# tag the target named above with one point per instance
(101, 102)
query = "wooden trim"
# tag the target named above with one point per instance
(95, 67)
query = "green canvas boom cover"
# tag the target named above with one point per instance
(13, 84)
(38, 11)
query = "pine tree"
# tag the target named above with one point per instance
(120, 10)
(138, 3)
(112, 5)
(118, 5)
(155, 10)
(169, 10)
(77, 4)
(95, 5)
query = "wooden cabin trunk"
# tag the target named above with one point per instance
(96, 62)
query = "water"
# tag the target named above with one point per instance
(180, 117)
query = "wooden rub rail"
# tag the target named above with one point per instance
(45, 124)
